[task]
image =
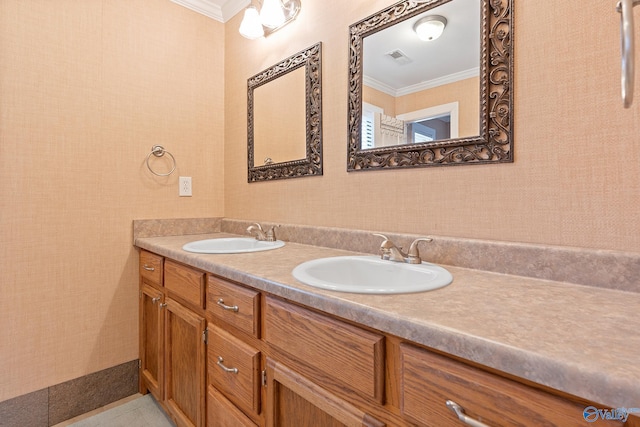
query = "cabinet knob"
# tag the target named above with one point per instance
(155, 300)
(221, 303)
(459, 411)
(224, 368)
(163, 305)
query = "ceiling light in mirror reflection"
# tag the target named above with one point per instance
(430, 27)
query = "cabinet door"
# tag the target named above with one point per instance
(184, 364)
(151, 341)
(294, 401)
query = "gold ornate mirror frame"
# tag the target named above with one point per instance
(311, 60)
(494, 144)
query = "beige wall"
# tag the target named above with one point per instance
(379, 99)
(86, 88)
(576, 176)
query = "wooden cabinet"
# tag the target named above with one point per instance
(430, 380)
(184, 364)
(222, 413)
(234, 369)
(235, 305)
(270, 362)
(344, 356)
(294, 401)
(152, 340)
(172, 332)
(151, 267)
(184, 284)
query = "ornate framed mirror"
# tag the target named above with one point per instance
(446, 101)
(284, 118)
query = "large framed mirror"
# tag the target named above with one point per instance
(284, 118)
(435, 101)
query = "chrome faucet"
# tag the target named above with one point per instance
(389, 251)
(260, 234)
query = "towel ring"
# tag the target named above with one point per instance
(625, 8)
(159, 151)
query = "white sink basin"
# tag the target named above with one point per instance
(371, 275)
(231, 245)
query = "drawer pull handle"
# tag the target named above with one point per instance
(224, 368)
(459, 411)
(146, 267)
(221, 303)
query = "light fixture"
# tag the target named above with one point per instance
(273, 15)
(250, 27)
(430, 27)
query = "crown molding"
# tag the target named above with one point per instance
(220, 10)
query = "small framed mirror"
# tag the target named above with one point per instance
(418, 99)
(284, 118)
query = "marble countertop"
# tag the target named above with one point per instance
(577, 339)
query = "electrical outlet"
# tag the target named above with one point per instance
(185, 186)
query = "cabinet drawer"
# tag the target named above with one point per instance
(430, 380)
(222, 413)
(234, 369)
(236, 305)
(151, 267)
(184, 283)
(347, 355)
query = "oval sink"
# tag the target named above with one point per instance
(371, 275)
(231, 245)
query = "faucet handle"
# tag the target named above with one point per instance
(271, 234)
(414, 253)
(386, 243)
(385, 246)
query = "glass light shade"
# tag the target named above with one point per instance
(430, 28)
(250, 27)
(272, 14)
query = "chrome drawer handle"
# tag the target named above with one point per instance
(146, 267)
(459, 411)
(221, 303)
(224, 368)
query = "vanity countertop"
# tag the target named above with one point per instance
(577, 339)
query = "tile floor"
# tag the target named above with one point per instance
(135, 411)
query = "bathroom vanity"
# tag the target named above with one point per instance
(235, 340)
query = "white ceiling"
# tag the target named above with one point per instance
(220, 10)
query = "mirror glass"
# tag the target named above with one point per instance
(401, 80)
(422, 103)
(279, 120)
(284, 118)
